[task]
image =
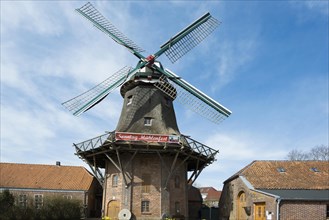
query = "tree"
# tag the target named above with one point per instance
(7, 200)
(320, 152)
(297, 155)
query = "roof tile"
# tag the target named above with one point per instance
(13, 175)
(297, 175)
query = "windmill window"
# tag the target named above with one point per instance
(115, 179)
(314, 169)
(145, 206)
(177, 207)
(281, 170)
(129, 100)
(148, 121)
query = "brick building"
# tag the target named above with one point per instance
(280, 190)
(210, 196)
(31, 184)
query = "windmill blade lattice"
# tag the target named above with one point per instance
(92, 14)
(190, 37)
(192, 98)
(88, 99)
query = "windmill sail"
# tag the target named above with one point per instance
(170, 83)
(188, 38)
(93, 15)
(90, 98)
(193, 98)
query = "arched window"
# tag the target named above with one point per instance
(115, 179)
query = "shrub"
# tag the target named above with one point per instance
(54, 208)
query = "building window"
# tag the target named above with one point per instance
(146, 183)
(115, 179)
(148, 121)
(129, 99)
(68, 197)
(177, 182)
(22, 200)
(281, 170)
(145, 207)
(38, 201)
(177, 207)
(314, 169)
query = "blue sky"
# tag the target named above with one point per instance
(267, 62)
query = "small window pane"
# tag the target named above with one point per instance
(281, 170)
(129, 100)
(22, 200)
(147, 121)
(38, 201)
(314, 169)
(145, 206)
(115, 179)
(177, 207)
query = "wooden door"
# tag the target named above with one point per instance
(259, 211)
(113, 209)
(241, 215)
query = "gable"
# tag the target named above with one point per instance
(32, 176)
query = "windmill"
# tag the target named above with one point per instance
(146, 158)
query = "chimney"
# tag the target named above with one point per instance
(58, 163)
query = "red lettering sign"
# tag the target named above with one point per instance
(123, 136)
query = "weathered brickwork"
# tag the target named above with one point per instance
(298, 191)
(147, 180)
(291, 210)
(229, 205)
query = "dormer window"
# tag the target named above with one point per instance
(148, 121)
(314, 169)
(129, 99)
(281, 170)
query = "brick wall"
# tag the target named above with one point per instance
(170, 199)
(293, 210)
(228, 203)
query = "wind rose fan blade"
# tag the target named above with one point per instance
(190, 37)
(88, 99)
(93, 15)
(191, 97)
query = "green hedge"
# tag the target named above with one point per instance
(54, 208)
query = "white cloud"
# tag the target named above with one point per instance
(30, 16)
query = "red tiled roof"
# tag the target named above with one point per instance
(211, 193)
(32, 176)
(296, 175)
